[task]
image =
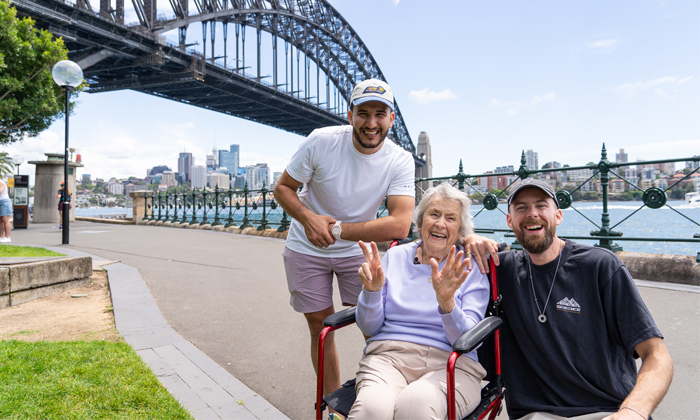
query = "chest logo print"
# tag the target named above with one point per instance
(569, 305)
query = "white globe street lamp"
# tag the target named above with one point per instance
(17, 160)
(68, 76)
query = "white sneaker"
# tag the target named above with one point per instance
(5, 240)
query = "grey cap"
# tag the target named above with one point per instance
(532, 183)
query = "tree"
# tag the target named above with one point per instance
(29, 99)
(6, 164)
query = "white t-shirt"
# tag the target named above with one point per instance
(345, 184)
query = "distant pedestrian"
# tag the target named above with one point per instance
(61, 198)
(5, 213)
(347, 171)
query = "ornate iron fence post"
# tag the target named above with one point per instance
(176, 207)
(205, 204)
(194, 207)
(229, 221)
(263, 221)
(145, 207)
(246, 222)
(217, 221)
(167, 207)
(604, 168)
(160, 206)
(185, 207)
(284, 223)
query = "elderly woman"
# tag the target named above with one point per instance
(415, 303)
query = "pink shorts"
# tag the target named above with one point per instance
(310, 280)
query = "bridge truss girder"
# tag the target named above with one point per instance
(138, 58)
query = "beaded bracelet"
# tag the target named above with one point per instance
(630, 408)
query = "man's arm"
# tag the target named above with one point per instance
(481, 247)
(394, 226)
(653, 381)
(316, 226)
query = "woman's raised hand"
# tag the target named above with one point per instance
(371, 272)
(449, 279)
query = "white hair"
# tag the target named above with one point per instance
(447, 191)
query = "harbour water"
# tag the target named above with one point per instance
(657, 223)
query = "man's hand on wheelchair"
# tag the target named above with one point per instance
(371, 272)
(481, 247)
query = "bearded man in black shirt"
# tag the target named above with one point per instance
(574, 324)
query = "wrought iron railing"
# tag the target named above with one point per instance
(257, 208)
(242, 208)
(606, 235)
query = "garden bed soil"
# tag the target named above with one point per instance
(63, 317)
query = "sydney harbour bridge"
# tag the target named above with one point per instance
(304, 62)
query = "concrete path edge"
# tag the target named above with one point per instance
(203, 387)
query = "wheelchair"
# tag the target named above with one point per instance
(485, 334)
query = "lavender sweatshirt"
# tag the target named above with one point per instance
(406, 309)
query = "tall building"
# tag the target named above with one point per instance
(216, 178)
(424, 152)
(275, 177)
(621, 157)
(213, 160)
(184, 165)
(199, 176)
(691, 164)
(262, 176)
(228, 160)
(168, 178)
(86, 179)
(531, 160)
(235, 151)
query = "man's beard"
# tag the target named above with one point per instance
(536, 244)
(356, 136)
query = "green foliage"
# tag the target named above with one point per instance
(6, 165)
(590, 196)
(29, 99)
(80, 380)
(26, 251)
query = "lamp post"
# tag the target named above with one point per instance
(68, 76)
(17, 160)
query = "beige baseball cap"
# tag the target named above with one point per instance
(372, 90)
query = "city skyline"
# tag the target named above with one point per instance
(557, 78)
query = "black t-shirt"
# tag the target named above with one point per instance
(581, 360)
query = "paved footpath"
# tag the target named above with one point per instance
(209, 312)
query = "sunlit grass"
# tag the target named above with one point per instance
(26, 251)
(80, 380)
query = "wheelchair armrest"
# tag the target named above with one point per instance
(481, 331)
(346, 316)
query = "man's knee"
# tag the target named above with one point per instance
(315, 320)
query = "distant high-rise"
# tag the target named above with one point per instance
(424, 171)
(184, 165)
(213, 160)
(531, 160)
(199, 176)
(235, 151)
(229, 160)
(691, 164)
(621, 157)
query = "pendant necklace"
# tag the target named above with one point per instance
(543, 318)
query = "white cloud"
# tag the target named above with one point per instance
(660, 86)
(513, 107)
(604, 45)
(395, 2)
(426, 96)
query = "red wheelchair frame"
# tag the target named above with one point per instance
(486, 332)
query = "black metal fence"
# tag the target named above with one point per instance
(258, 208)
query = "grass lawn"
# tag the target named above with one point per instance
(80, 380)
(26, 251)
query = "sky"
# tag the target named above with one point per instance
(485, 81)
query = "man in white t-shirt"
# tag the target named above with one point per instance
(346, 171)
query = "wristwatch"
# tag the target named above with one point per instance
(335, 230)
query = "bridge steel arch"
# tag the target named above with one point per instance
(312, 27)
